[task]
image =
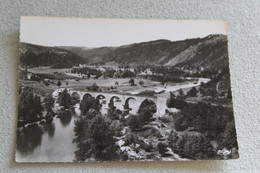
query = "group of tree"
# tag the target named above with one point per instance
(167, 70)
(107, 73)
(219, 76)
(165, 78)
(29, 106)
(93, 87)
(144, 115)
(126, 74)
(87, 71)
(89, 103)
(177, 101)
(215, 122)
(192, 92)
(48, 105)
(191, 147)
(94, 136)
(64, 99)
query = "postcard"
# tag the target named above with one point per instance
(124, 90)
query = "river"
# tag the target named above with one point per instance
(50, 142)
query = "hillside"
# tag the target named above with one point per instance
(35, 55)
(210, 51)
(207, 52)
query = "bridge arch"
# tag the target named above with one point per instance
(86, 96)
(111, 103)
(126, 106)
(75, 95)
(101, 98)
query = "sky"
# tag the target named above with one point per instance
(97, 32)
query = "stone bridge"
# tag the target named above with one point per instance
(127, 103)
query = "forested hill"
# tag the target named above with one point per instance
(210, 51)
(35, 55)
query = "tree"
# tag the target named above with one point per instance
(49, 103)
(29, 106)
(59, 83)
(181, 94)
(146, 111)
(162, 148)
(173, 139)
(213, 92)
(176, 102)
(89, 103)
(46, 83)
(64, 98)
(132, 82)
(95, 139)
(93, 87)
(193, 92)
(141, 82)
(229, 140)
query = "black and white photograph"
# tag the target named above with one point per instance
(94, 90)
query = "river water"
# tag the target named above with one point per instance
(50, 142)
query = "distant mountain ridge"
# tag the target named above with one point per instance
(208, 52)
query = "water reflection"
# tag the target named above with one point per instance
(65, 118)
(48, 142)
(49, 128)
(29, 138)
